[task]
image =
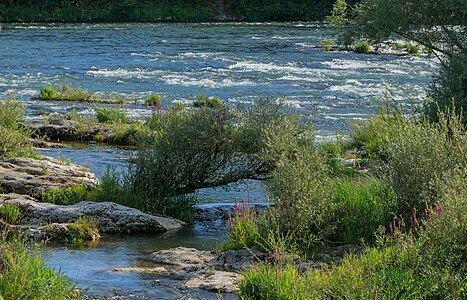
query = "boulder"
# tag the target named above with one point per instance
(33, 176)
(182, 257)
(239, 260)
(109, 217)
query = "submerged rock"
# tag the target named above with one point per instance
(66, 130)
(33, 176)
(196, 268)
(109, 217)
(221, 211)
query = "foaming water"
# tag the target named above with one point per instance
(234, 61)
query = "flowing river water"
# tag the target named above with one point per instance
(237, 62)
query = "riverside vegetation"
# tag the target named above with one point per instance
(403, 195)
(162, 11)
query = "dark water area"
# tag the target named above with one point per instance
(237, 62)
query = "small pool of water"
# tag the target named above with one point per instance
(90, 265)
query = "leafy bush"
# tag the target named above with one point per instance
(362, 47)
(373, 134)
(327, 45)
(10, 213)
(47, 93)
(204, 101)
(300, 180)
(110, 115)
(177, 106)
(14, 139)
(67, 196)
(419, 154)
(191, 150)
(153, 100)
(362, 205)
(24, 274)
(449, 89)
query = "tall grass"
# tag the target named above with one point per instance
(14, 139)
(362, 206)
(428, 264)
(24, 275)
(10, 213)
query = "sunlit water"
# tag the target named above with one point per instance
(236, 62)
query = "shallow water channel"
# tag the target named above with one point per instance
(234, 61)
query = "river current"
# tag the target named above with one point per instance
(237, 62)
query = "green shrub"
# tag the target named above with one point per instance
(363, 47)
(300, 180)
(204, 101)
(191, 149)
(68, 92)
(48, 93)
(177, 106)
(14, 139)
(110, 115)
(373, 134)
(449, 89)
(412, 49)
(419, 154)
(83, 229)
(11, 213)
(327, 45)
(24, 275)
(362, 205)
(153, 100)
(67, 196)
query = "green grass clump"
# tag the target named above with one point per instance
(67, 92)
(363, 47)
(83, 229)
(11, 213)
(362, 206)
(243, 228)
(153, 100)
(327, 45)
(373, 134)
(110, 115)
(14, 139)
(24, 274)
(48, 93)
(67, 196)
(204, 101)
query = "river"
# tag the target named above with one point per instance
(237, 62)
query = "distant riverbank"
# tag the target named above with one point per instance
(91, 11)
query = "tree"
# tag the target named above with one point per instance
(438, 25)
